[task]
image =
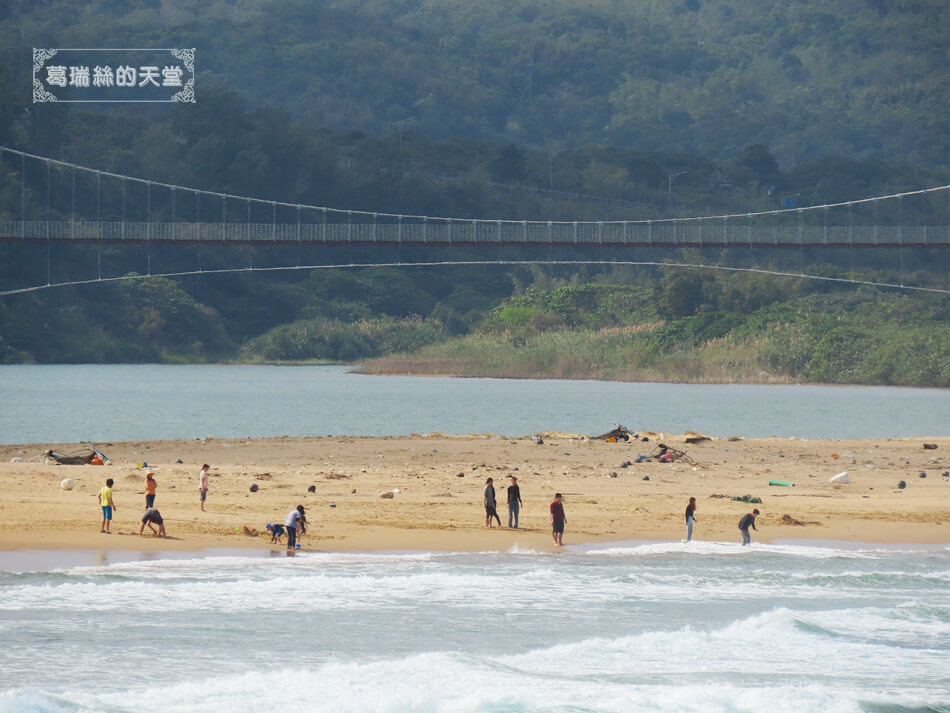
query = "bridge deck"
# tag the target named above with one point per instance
(638, 234)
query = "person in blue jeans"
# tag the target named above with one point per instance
(514, 503)
(690, 518)
(747, 521)
(293, 523)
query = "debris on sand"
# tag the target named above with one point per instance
(747, 499)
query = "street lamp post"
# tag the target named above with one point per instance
(672, 176)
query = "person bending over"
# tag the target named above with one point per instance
(151, 516)
(294, 523)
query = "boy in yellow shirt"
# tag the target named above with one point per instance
(108, 505)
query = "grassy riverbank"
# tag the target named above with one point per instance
(848, 338)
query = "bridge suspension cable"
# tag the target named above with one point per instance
(153, 214)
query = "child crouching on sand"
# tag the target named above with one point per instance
(276, 532)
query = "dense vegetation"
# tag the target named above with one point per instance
(863, 78)
(524, 110)
(744, 328)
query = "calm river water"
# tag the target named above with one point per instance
(62, 403)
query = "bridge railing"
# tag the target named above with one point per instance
(487, 233)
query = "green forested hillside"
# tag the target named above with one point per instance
(864, 78)
(548, 110)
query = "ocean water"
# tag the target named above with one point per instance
(126, 402)
(666, 627)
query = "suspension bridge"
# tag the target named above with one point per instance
(65, 203)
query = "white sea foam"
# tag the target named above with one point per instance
(651, 628)
(456, 683)
(705, 547)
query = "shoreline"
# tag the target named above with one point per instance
(50, 559)
(439, 482)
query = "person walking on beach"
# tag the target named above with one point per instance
(558, 519)
(294, 523)
(153, 516)
(107, 504)
(150, 486)
(514, 503)
(690, 518)
(203, 484)
(490, 504)
(747, 521)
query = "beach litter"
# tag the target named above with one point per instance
(901, 485)
(67, 483)
(312, 489)
(93, 457)
(840, 479)
(253, 488)
(930, 446)
(390, 494)
(782, 483)
(747, 499)
(663, 453)
(618, 434)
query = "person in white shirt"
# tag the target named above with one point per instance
(203, 484)
(295, 522)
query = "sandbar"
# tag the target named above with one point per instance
(608, 495)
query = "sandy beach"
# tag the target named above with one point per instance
(440, 481)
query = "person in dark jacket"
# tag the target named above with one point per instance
(690, 518)
(747, 521)
(490, 504)
(514, 503)
(558, 519)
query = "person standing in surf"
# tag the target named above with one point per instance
(203, 484)
(514, 503)
(690, 518)
(558, 520)
(150, 486)
(747, 521)
(490, 504)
